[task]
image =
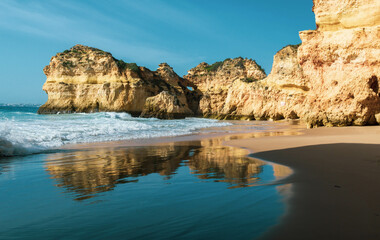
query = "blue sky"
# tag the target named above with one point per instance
(148, 32)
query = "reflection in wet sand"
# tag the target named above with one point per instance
(5, 166)
(86, 173)
(224, 164)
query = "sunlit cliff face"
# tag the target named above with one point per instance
(331, 15)
(86, 79)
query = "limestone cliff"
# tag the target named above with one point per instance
(165, 106)
(341, 60)
(85, 79)
(240, 89)
(332, 79)
(216, 80)
(331, 15)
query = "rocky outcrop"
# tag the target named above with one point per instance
(165, 106)
(341, 60)
(239, 89)
(215, 82)
(333, 15)
(332, 79)
(85, 79)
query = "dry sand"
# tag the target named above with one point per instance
(335, 190)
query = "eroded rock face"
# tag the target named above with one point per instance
(234, 92)
(85, 79)
(165, 106)
(215, 81)
(332, 15)
(341, 60)
(332, 79)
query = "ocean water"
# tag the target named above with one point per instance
(182, 190)
(23, 131)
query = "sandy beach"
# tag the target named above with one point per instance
(334, 188)
(322, 184)
(187, 187)
(190, 120)
(336, 173)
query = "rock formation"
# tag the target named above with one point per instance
(215, 82)
(165, 106)
(331, 79)
(85, 79)
(239, 88)
(342, 61)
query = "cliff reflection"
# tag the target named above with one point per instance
(88, 173)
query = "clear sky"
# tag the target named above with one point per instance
(182, 33)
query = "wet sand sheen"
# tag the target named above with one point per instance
(335, 184)
(89, 172)
(188, 189)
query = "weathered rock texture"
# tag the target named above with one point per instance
(341, 59)
(331, 15)
(216, 81)
(239, 88)
(165, 106)
(332, 79)
(85, 79)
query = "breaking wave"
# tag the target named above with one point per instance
(25, 132)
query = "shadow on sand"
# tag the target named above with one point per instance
(335, 192)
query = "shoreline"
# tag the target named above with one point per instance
(201, 184)
(329, 190)
(239, 130)
(336, 172)
(325, 192)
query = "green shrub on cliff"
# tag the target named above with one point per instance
(240, 63)
(249, 80)
(68, 64)
(214, 67)
(295, 46)
(123, 65)
(260, 67)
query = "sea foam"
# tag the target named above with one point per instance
(25, 132)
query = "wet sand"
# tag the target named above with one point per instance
(175, 188)
(239, 130)
(335, 187)
(180, 190)
(333, 192)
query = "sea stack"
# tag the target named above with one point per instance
(331, 79)
(86, 79)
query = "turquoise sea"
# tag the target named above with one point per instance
(181, 190)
